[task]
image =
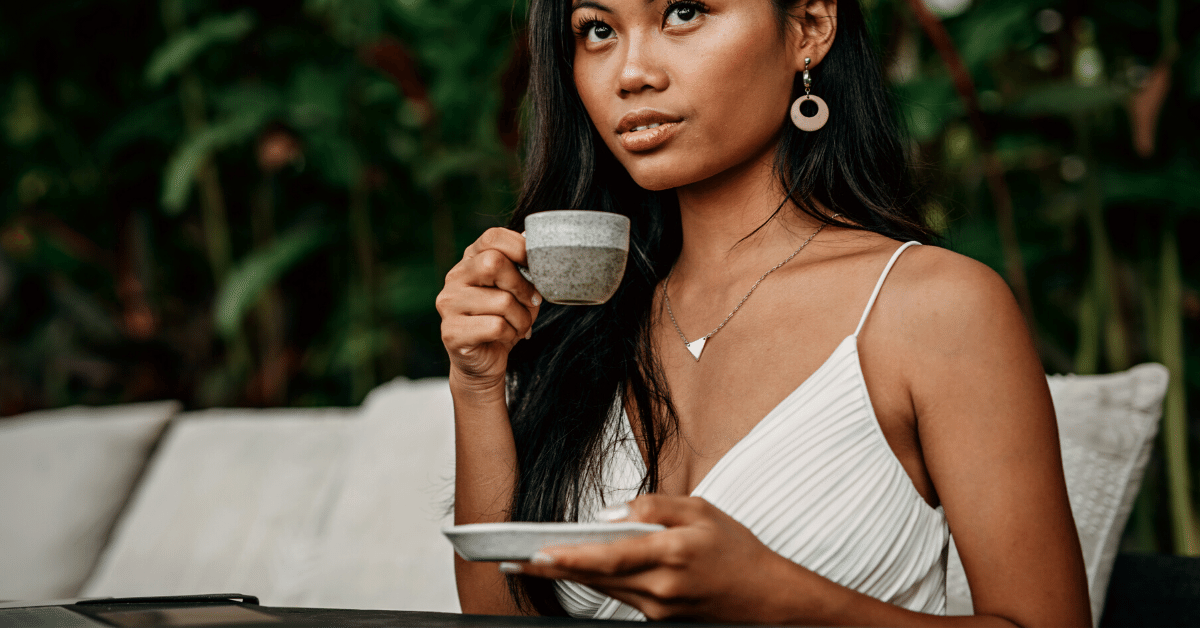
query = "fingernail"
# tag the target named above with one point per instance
(537, 299)
(616, 512)
(529, 334)
(511, 568)
(541, 558)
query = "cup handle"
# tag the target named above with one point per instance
(523, 270)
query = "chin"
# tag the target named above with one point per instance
(659, 174)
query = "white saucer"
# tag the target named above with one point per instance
(520, 540)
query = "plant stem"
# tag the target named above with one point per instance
(1087, 355)
(269, 311)
(1105, 285)
(1174, 428)
(212, 199)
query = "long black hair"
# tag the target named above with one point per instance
(584, 364)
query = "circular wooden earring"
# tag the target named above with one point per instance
(818, 120)
(806, 123)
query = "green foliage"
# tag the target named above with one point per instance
(260, 270)
(239, 126)
(208, 192)
(182, 49)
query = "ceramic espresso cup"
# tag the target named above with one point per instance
(576, 257)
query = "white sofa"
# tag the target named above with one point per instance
(341, 508)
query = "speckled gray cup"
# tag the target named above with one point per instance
(576, 257)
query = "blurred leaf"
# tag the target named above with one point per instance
(354, 21)
(1064, 99)
(436, 168)
(259, 270)
(191, 155)
(926, 105)
(1023, 150)
(241, 99)
(1177, 187)
(976, 238)
(335, 156)
(317, 97)
(356, 346)
(983, 33)
(410, 290)
(180, 50)
(25, 119)
(158, 120)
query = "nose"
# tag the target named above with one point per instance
(642, 68)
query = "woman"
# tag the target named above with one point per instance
(912, 403)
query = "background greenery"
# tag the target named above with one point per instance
(236, 203)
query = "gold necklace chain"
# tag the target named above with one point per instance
(699, 344)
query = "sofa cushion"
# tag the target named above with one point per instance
(231, 502)
(1106, 426)
(327, 508)
(64, 476)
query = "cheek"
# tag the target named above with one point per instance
(587, 76)
(745, 88)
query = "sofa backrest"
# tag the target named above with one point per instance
(64, 477)
(325, 508)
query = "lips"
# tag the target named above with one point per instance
(647, 129)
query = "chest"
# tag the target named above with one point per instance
(753, 365)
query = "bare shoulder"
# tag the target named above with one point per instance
(988, 437)
(944, 299)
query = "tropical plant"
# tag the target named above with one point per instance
(253, 204)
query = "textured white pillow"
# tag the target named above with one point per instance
(322, 508)
(1106, 425)
(232, 501)
(64, 476)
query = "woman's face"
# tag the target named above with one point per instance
(714, 76)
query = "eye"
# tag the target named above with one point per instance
(599, 31)
(680, 13)
(594, 31)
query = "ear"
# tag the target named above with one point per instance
(813, 26)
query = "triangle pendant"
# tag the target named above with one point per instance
(696, 347)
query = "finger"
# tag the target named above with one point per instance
(492, 268)
(619, 558)
(462, 334)
(649, 589)
(457, 300)
(507, 241)
(668, 510)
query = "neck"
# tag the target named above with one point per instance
(716, 215)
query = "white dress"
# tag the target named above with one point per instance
(816, 482)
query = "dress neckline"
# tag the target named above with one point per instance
(852, 341)
(772, 415)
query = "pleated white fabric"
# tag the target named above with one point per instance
(816, 481)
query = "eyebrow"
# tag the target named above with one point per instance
(589, 4)
(582, 4)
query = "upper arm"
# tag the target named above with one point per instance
(989, 437)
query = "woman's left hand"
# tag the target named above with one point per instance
(705, 565)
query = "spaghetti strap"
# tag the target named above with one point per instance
(879, 284)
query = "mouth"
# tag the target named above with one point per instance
(647, 129)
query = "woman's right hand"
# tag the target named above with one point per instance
(486, 308)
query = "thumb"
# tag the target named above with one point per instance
(667, 510)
